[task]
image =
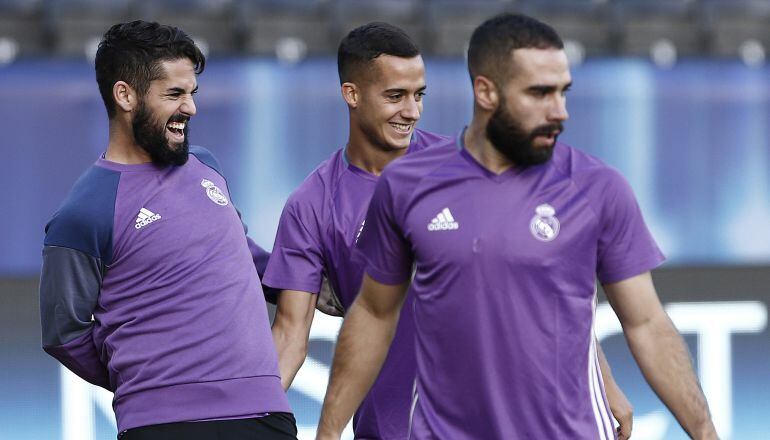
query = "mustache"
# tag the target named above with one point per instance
(547, 129)
(179, 118)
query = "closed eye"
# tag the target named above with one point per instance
(176, 92)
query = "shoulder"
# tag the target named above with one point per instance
(600, 182)
(422, 139)
(418, 164)
(401, 178)
(312, 192)
(84, 220)
(584, 169)
(206, 157)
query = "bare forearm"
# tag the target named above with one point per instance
(665, 362)
(291, 355)
(291, 331)
(604, 367)
(619, 405)
(614, 393)
(361, 349)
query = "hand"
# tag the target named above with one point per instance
(328, 301)
(624, 413)
(619, 405)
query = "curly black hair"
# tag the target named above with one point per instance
(133, 52)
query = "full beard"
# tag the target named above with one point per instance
(515, 143)
(151, 136)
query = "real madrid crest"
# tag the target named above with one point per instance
(214, 193)
(544, 225)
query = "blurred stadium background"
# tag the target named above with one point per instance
(674, 93)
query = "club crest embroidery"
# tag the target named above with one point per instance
(544, 225)
(214, 193)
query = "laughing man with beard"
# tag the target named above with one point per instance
(148, 286)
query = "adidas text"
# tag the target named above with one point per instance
(443, 226)
(147, 221)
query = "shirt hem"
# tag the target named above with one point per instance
(281, 284)
(383, 277)
(631, 271)
(230, 398)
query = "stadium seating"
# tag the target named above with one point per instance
(721, 28)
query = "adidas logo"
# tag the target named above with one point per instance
(145, 217)
(443, 222)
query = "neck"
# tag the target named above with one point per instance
(479, 146)
(363, 154)
(122, 148)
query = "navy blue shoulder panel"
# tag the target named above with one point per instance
(210, 161)
(85, 220)
(206, 157)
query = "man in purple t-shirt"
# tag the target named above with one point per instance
(382, 79)
(499, 235)
(383, 82)
(148, 286)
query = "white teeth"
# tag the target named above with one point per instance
(402, 127)
(176, 125)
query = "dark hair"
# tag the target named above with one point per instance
(133, 52)
(365, 43)
(492, 43)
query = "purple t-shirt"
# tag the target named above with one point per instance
(316, 235)
(504, 287)
(180, 329)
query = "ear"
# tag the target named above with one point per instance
(485, 93)
(351, 94)
(124, 96)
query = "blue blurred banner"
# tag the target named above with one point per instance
(692, 140)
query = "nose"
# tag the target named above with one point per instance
(188, 107)
(558, 110)
(411, 109)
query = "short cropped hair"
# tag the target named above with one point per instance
(365, 43)
(133, 52)
(492, 43)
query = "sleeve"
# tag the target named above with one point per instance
(297, 259)
(382, 246)
(70, 282)
(626, 248)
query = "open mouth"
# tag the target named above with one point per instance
(549, 132)
(550, 136)
(401, 128)
(176, 131)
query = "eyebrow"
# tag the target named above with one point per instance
(548, 88)
(421, 89)
(180, 90)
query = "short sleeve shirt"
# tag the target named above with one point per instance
(504, 286)
(316, 236)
